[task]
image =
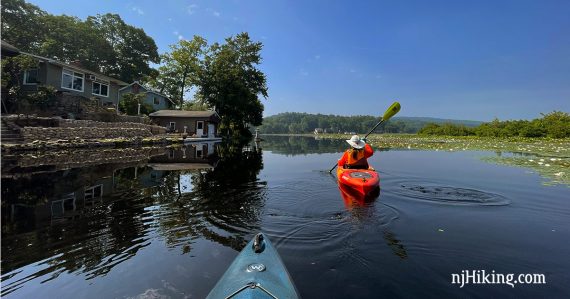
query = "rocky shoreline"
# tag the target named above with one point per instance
(91, 143)
(45, 133)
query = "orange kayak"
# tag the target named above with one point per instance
(362, 181)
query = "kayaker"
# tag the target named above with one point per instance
(356, 157)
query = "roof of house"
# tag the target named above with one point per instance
(8, 48)
(183, 113)
(77, 68)
(148, 89)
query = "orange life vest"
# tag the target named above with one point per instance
(356, 159)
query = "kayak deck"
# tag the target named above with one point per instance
(363, 181)
(257, 272)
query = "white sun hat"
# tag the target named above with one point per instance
(356, 142)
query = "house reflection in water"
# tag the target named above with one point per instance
(87, 219)
(187, 161)
(31, 201)
(200, 155)
(67, 194)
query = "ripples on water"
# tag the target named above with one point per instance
(172, 233)
(98, 241)
(448, 195)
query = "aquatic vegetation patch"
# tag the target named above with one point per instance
(554, 170)
(546, 156)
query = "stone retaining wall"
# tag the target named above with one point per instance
(71, 123)
(38, 133)
(113, 117)
(123, 121)
(45, 128)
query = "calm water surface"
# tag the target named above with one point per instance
(166, 223)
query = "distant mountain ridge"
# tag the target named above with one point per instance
(298, 123)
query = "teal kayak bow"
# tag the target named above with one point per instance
(257, 272)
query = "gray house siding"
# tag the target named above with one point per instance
(53, 76)
(181, 122)
(50, 74)
(149, 97)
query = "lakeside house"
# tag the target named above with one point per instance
(193, 123)
(152, 97)
(72, 78)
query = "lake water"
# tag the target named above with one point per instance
(166, 223)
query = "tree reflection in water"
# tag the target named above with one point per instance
(88, 220)
(224, 204)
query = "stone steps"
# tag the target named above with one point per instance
(8, 135)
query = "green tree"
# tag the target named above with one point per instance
(20, 24)
(179, 71)
(129, 104)
(71, 40)
(12, 68)
(231, 82)
(194, 106)
(103, 43)
(133, 50)
(429, 129)
(556, 123)
(532, 129)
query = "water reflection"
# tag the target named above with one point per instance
(352, 198)
(363, 210)
(300, 145)
(221, 204)
(87, 220)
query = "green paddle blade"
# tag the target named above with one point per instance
(395, 108)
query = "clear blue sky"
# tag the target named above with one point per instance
(451, 59)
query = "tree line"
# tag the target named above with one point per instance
(223, 76)
(555, 124)
(302, 123)
(103, 43)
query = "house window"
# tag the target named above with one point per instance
(200, 125)
(156, 100)
(72, 80)
(101, 88)
(94, 192)
(58, 207)
(172, 125)
(31, 77)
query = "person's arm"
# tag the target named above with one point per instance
(368, 151)
(342, 160)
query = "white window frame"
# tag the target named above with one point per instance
(73, 76)
(26, 74)
(172, 125)
(200, 122)
(100, 82)
(92, 192)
